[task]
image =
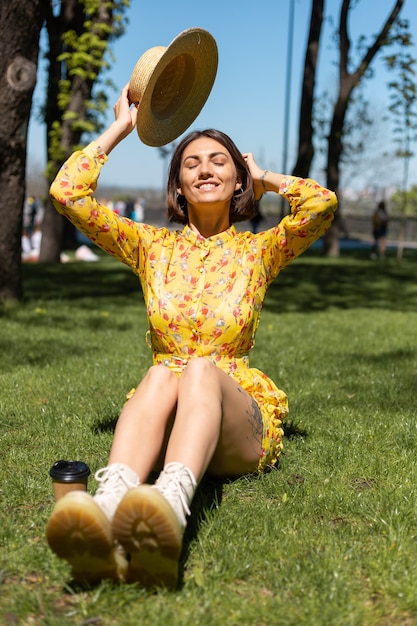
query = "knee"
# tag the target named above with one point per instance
(159, 377)
(198, 371)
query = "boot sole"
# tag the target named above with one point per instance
(79, 532)
(147, 528)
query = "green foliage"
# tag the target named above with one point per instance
(403, 104)
(403, 98)
(405, 202)
(326, 539)
(84, 56)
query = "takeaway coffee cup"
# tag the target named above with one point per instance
(69, 476)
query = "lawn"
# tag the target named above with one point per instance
(327, 538)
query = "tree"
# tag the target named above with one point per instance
(79, 35)
(305, 151)
(403, 108)
(348, 81)
(21, 22)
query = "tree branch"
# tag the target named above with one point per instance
(380, 40)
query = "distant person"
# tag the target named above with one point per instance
(379, 230)
(33, 213)
(138, 214)
(120, 208)
(130, 207)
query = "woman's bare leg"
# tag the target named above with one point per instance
(217, 426)
(79, 529)
(144, 421)
(382, 246)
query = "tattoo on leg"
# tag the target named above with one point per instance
(255, 419)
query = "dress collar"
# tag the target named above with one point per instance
(208, 242)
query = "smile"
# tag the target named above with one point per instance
(207, 187)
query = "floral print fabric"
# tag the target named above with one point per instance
(203, 296)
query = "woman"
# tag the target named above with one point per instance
(199, 408)
(379, 230)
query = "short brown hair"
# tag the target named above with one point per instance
(242, 205)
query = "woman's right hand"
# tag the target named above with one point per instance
(125, 121)
(125, 115)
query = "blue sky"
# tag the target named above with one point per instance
(248, 97)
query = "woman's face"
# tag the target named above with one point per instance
(207, 174)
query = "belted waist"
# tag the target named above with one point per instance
(228, 363)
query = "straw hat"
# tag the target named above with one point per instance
(172, 84)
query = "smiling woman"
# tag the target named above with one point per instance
(208, 167)
(200, 408)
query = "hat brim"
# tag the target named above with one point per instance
(177, 87)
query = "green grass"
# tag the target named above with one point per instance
(328, 538)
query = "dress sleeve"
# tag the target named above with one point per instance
(72, 194)
(312, 209)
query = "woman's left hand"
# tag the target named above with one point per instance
(256, 173)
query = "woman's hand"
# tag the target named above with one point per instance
(125, 115)
(256, 173)
(263, 180)
(125, 121)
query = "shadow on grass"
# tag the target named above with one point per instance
(396, 398)
(106, 425)
(20, 351)
(104, 279)
(311, 283)
(292, 430)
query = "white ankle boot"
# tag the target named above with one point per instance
(80, 532)
(149, 524)
(115, 480)
(177, 484)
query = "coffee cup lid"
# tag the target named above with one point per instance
(69, 471)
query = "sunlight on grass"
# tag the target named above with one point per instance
(328, 537)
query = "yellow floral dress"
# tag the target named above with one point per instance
(203, 296)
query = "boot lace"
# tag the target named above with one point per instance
(112, 481)
(171, 488)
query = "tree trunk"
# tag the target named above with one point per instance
(71, 16)
(305, 131)
(21, 22)
(334, 153)
(56, 230)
